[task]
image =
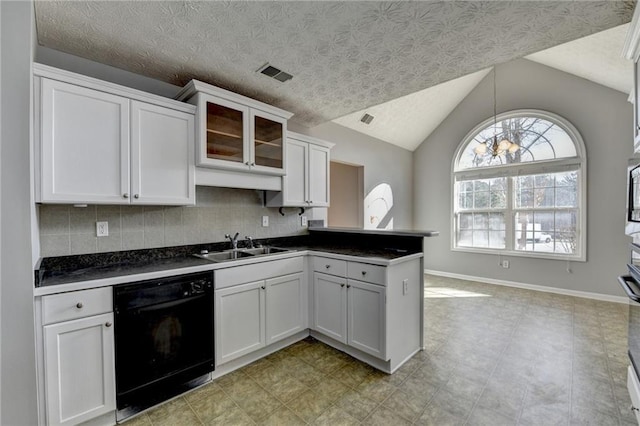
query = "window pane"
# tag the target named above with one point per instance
(524, 198)
(497, 239)
(480, 221)
(543, 197)
(536, 139)
(465, 200)
(566, 197)
(466, 220)
(496, 221)
(482, 194)
(481, 200)
(481, 238)
(465, 238)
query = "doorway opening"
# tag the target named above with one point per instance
(347, 195)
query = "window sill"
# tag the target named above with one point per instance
(515, 253)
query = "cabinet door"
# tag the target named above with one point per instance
(636, 108)
(267, 142)
(162, 164)
(79, 369)
(240, 320)
(223, 133)
(295, 183)
(84, 137)
(330, 306)
(318, 176)
(366, 310)
(286, 307)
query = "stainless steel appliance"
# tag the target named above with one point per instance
(164, 339)
(631, 286)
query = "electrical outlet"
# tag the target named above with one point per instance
(102, 229)
(405, 286)
(265, 221)
(303, 221)
(505, 264)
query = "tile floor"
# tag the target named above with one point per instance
(495, 356)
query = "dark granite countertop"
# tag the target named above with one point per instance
(79, 268)
(49, 277)
(385, 232)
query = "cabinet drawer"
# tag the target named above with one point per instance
(255, 272)
(368, 273)
(76, 304)
(330, 266)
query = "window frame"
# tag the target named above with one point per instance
(577, 163)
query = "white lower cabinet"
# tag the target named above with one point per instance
(240, 321)
(250, 315)
(366, 317)
(351, 312)
(372, 312)
(330, 306)
(79, 369)
(285, 310)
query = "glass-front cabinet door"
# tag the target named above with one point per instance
(225, 133)
(238, 137)
(267, 140)
(226, 128)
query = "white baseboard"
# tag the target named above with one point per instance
(556, 290)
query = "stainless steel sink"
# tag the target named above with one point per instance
(225, 255)
(265, 250)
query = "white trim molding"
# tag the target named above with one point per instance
(631, 42)
(534, 287)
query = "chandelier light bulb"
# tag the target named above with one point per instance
(480, 149)
(504, 145)
(514, 148)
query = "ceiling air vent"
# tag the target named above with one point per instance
(273, 72)
(366, 118)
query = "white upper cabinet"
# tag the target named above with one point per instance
(162, 168)
(236, 133)
(306, 183)
(100, 143)
(631, 51)
(84, 144)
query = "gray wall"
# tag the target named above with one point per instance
(68, 230)
(602, 116)
(17, 359)
(383, 163)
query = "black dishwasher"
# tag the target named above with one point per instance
(164, 339)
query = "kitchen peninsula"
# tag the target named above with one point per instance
(358, 291)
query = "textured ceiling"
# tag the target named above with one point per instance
(345, 56)
(597, 57)
(409, 120)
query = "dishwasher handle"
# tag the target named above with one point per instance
(624, 282)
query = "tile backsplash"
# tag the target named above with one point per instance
(65, 229)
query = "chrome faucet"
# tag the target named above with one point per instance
(249, 241)
(234, 240)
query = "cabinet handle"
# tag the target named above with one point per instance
(136, 196)
(253, 164)
(79, 305)
(108, 324)
(327, 266)
(348, 285)
(364, 273)
(125, 195)
(247, 163)
(341, 285)
(263, 287)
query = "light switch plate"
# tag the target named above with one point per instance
(303, 221)
(102, 229)
(265, 221)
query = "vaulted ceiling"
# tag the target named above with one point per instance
(344, 56)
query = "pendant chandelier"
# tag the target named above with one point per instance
(492, 146)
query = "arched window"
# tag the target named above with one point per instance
(519, 187)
